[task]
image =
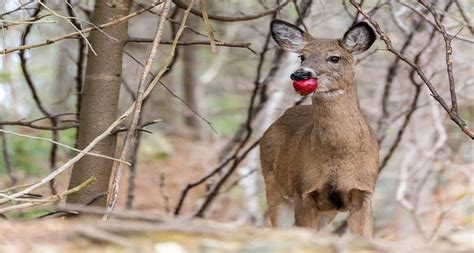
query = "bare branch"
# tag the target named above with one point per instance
(199, 42)
(35, 95)
(223, 18)
(453, 114)
(4, 24)
(73, 34)
(176, 96)
(48, 200)
(210, 30)
(458, 37)
(464, 15)
(7, 158)
(81, 56)
(142, 94)
(449, 54)
(62, 145)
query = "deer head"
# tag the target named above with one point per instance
(330, 61)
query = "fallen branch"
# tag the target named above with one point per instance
(50, 199)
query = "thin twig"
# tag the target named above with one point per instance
(300, 16)
(390, 78)
(465, 16)
(458, 37)
(210, 30)
(215, 190)
(20, 7)
(49, 200)
(455, 117)
(7, 158)
(31, 124)
(36, 98)
(62, 145)
(72, 34)
(32, 20)
(164, 193)
(209, 123)
(223, 18)
(199, 115)
(449, 55)
(68, 20)
(198, 42)
(81, 56)
(413, 105)
(240, 140)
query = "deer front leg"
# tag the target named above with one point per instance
(324, 218)
(305, 212)
(280, 209)
(307, 215)
(360, 219)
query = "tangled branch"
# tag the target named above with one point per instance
(453, 110)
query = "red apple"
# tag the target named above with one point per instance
(305, 87)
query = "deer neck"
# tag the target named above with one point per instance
(337, 120)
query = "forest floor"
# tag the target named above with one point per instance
(181, 236)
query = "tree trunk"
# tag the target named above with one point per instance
(191, 82)
(100, 102)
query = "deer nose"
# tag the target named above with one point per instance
(300, 74)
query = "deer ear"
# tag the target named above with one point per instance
(288, 36)
(359, 38)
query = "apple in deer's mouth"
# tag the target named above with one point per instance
(305, 87)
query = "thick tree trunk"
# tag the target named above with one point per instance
(99, 102)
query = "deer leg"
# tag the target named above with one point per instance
(305, 212)
(284, 216)
(280, 209)
(324, 218)
(360, 219)
(281, 212)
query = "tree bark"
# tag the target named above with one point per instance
(100, 102)
(191, 83)
(189, 86)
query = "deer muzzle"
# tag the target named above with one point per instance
(301, 74)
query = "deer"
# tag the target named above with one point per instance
(321, 159)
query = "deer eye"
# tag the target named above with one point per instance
(334, 59)
(301, 57)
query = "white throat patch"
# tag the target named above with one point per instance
(331, 93)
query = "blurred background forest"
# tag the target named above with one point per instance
(226, 84)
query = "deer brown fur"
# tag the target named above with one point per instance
(321, 159)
